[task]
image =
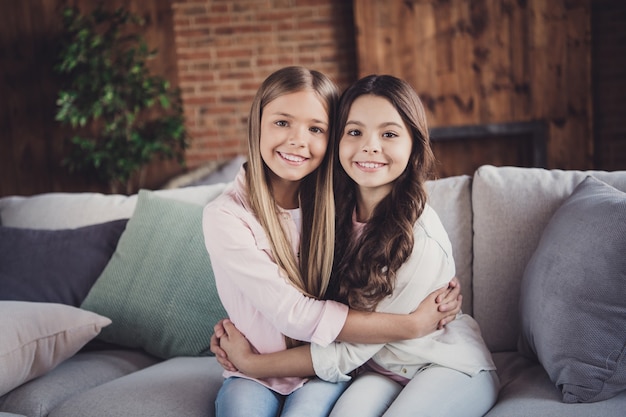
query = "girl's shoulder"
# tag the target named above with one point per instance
(429, 220)
(228, 217)
(430, 227)
(227, 207)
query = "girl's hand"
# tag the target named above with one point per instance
(438, 309)
(220, 354)
(236, 346)
(449, 301)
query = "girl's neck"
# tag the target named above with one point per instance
(366, 201)
(286, 193)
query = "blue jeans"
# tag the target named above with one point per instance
(240, 397)
(435, 391)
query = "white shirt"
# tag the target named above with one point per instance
(458, 346)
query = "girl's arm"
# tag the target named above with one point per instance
(285, 363)
(436, 310)
(291, 314)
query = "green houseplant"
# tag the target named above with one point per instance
(122, 116)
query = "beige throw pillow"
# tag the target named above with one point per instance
(36, 337)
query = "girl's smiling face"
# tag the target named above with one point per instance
(375, 146)
(294, 135)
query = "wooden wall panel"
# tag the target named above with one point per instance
(31, 142)
(27, 94)
(489, 61)
(609, 83)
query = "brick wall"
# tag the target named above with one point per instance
(226, 48)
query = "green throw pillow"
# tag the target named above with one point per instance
(159, 288)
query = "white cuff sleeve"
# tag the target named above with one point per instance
(325, 363)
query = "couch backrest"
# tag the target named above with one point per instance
(511, 207)
(71, 210)
(494, 221)
(451, 198)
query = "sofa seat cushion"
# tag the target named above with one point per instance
(526, 390)
(512, 207)
(78, 374)
(573, 295)
(173, 388)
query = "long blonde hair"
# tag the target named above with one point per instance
(312, 274)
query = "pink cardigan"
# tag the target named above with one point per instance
(259, 299)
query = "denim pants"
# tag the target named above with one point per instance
(241, 397)
(435, 391)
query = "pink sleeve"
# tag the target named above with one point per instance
(246, 274)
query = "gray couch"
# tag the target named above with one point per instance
(496, 220)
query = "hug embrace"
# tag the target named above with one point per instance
(336, 274)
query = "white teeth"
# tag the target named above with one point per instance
(370, 165)
(292, 158)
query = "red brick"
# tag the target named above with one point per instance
(227, 49)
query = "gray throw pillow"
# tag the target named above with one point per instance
(573, 295)
(55, 266)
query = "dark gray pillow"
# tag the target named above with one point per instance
(55, 266)
(573, 295)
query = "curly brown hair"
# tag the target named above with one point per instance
(365, 268)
